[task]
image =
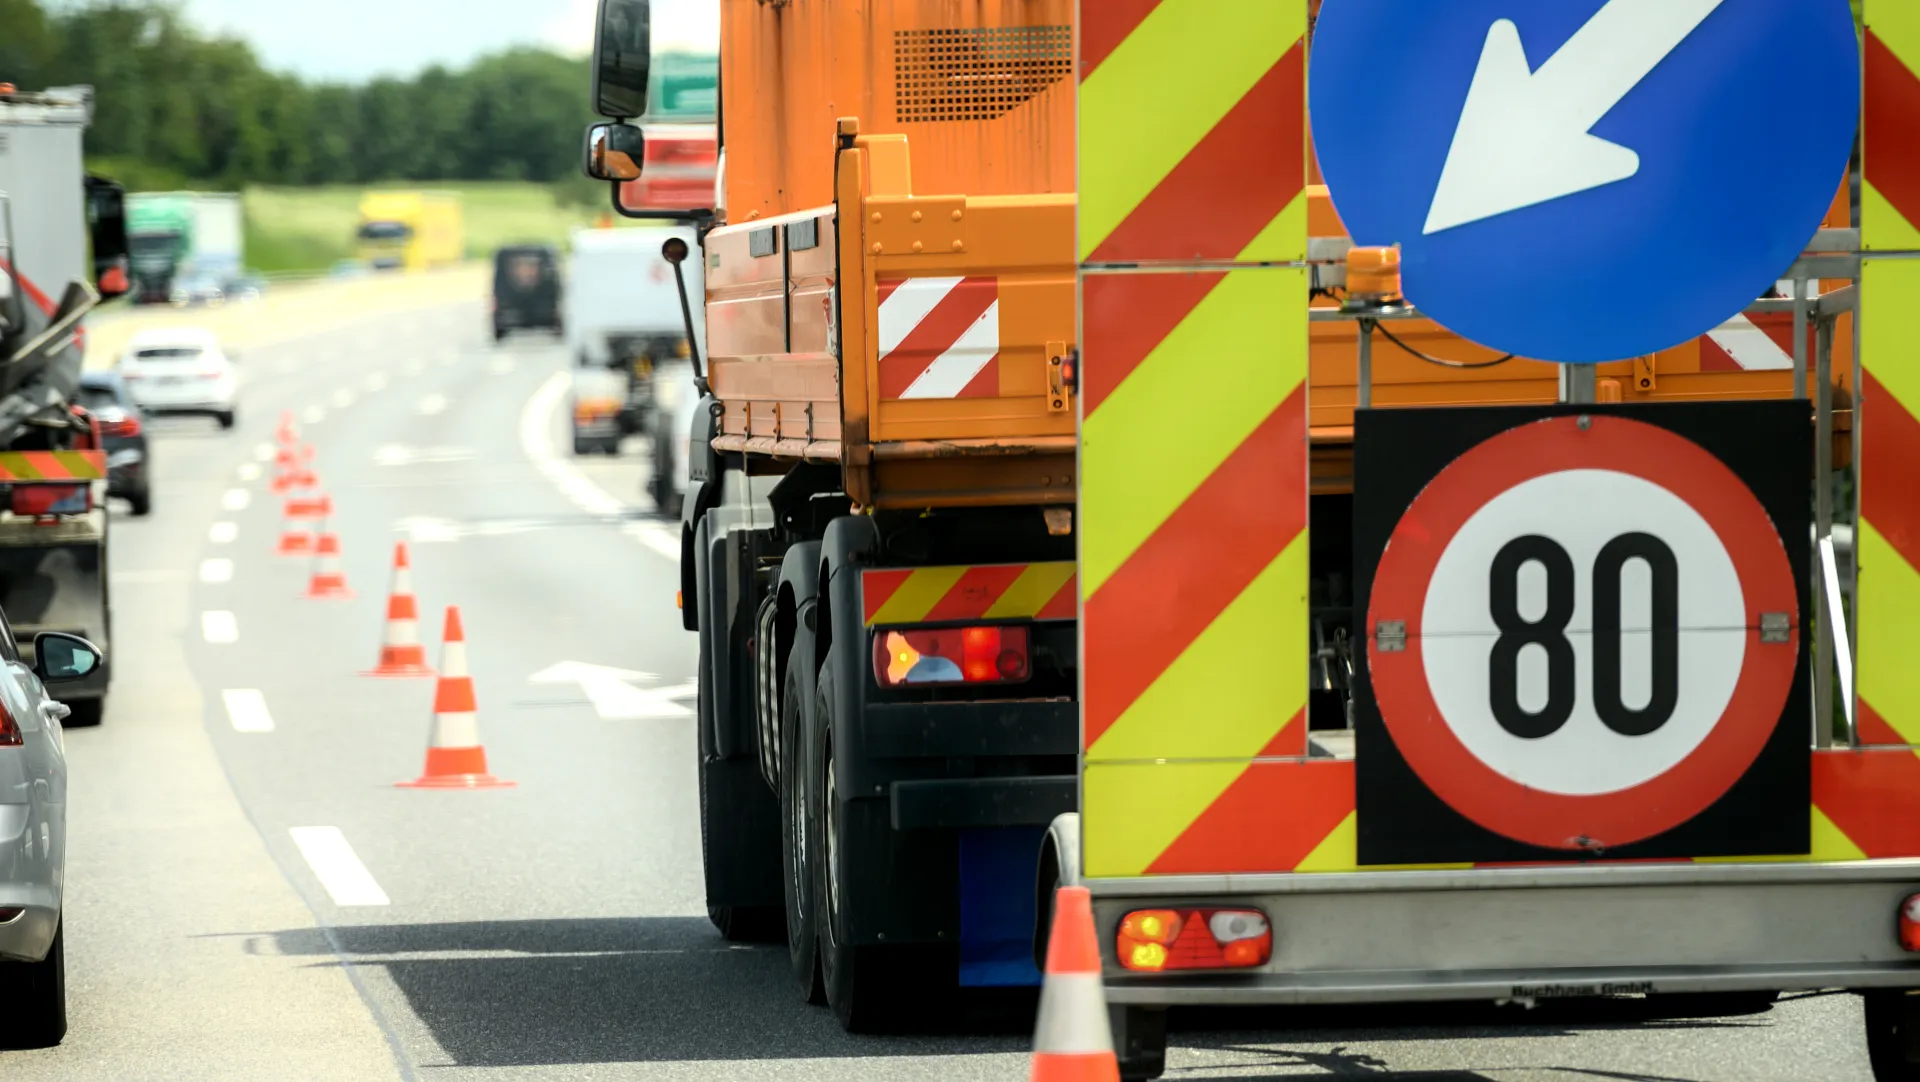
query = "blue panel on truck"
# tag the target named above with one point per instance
(997, 907)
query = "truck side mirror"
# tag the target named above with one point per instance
(622, 57)
(107, 225)
(614, 152)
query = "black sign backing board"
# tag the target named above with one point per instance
(1398, 455)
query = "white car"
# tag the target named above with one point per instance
(180, 370)
(33, 835)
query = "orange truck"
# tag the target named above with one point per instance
(1040, 536)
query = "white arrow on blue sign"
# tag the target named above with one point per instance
(1587, 180)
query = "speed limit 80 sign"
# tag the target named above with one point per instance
(1584, 632)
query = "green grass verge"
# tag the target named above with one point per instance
(309, 229)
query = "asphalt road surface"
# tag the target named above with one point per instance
(251, 897)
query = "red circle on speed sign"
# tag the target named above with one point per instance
(1562, 499)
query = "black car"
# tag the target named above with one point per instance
(526, 289)
(124, 434)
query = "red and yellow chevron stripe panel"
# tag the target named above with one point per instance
(932, 595)
(1193, 476)
(52, 466)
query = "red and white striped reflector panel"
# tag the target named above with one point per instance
(939, 338)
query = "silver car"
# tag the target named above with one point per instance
(33, 834)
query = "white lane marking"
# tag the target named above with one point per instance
(219, 626)
(658, 538)
(264, 452)
(216, 570)
(247, 709)
(536, 441)
(337, 866)
(399, 454)
(376, 382)
(342, 398)
(236, 499)
(414, 367)
(500, 366)
(423, 530)
(314, 415)
(223, 533)
(249, 471)
(432, 404)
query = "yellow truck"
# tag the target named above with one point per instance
(410, 231)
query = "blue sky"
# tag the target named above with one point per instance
(356, 39)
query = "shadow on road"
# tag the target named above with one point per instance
(1265, 1034)
(531, 993)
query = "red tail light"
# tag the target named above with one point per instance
(1156, 940)
(932, 657)
(36, 500)
(9, 729)
(119, 425)
(1910, 923)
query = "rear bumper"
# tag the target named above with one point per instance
(1527, 934)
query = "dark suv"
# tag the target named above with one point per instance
(526, 289)
(123, 436)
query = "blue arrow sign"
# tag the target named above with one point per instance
(1586, 180)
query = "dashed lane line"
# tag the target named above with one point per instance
(337, 866)
(247, 709)
(219, 626)
(249, 471)
(216, 570)
(223, 533)
(536, 441)
(431, 405)
(314, 415)
(236, 499)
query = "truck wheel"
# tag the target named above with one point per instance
(724, 798)
(37, 996)
(142, 501)
(582, 445)
(85, 713)
(872, 989)
(799, 846)
(225, 418)
(1893, 1034)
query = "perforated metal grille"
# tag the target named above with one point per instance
(978, 74)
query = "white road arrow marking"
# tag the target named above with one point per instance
(612, 695)
(1525, 136)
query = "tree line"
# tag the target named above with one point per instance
(175, 106)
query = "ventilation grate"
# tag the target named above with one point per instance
(978, 74)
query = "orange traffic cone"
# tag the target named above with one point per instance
(455, 757)
(401, 653)
(295, 539)
(328, 580)
(287, 432)
(1072, 1041)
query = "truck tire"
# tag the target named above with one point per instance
(226, 419)
(36, 994)
(872, 989)
(1893, 1034)
(725, 812)
(142, 501)
(799, 845)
